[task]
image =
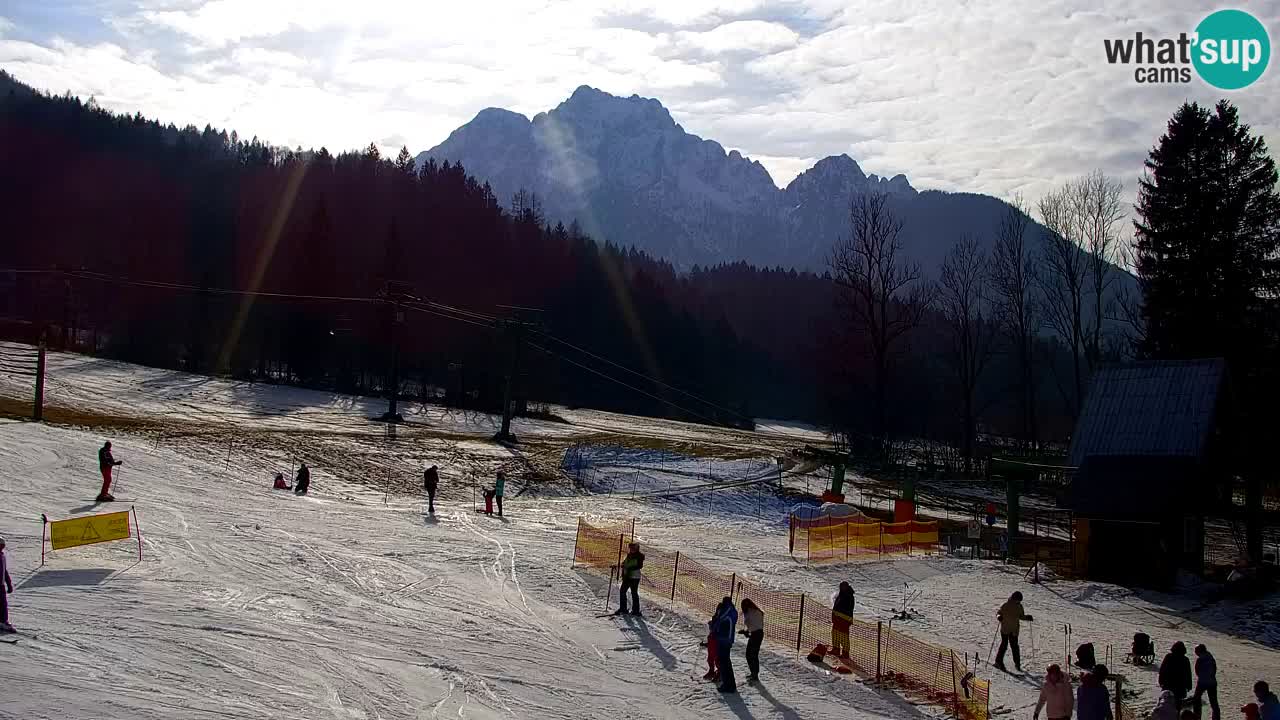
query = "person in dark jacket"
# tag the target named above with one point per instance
(753, 619)
(841, 619)
(302, 482)
(431, 481)
(1011, 616)
(1093, 702)
(1175, 672)
(5, 627)
(726, 621)
(1206, 681)
(1268, 704)
(632, 565)
(106, 463)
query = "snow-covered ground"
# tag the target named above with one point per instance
(351, 603)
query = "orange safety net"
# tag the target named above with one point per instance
(799, 622)
(834, 538)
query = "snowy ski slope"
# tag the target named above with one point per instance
(352, 604)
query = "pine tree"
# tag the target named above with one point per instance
(1208, 241)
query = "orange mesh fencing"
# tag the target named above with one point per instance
(834, 538)
(799, 622)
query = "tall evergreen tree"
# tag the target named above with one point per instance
(1208, 239)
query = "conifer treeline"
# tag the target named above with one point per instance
(129, 198)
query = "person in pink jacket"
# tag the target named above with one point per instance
(1056, 697)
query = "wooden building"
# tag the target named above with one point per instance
(1149, 448)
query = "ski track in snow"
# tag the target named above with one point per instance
(258, 604)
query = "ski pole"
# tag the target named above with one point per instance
(120, 480)
(993, 645)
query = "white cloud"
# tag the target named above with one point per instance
(985, 97)
(744, 36)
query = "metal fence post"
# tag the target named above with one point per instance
(38, 410)
(675, 572)
(955, 691)
(846, 542)
(733, 585)
(800, 625)
(879, 634)
(574, 560)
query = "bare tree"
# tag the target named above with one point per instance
(1012, 269)
(1100, 213)
(884, 294)
(1076, 266)
(1127, 309)
(965, 304)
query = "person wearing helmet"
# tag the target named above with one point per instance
(107, 463)
(1011, 616)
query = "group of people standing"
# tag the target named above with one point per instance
(301, 481)
(722, 628)
(1182, 688)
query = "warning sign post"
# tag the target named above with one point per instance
(90, 529)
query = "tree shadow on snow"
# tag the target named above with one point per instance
(67, 578)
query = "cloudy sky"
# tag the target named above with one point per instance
(980, 95)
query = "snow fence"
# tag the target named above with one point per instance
(796, 622)
(837, 538)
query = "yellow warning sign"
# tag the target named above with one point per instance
(88, 530)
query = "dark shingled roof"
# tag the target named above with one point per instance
(1159, 408)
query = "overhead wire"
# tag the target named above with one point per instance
(637, 373)
(624, 384)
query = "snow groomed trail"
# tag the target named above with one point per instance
(250, 603)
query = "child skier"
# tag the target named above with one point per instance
(431, 481)
(5, 627)
(841, 618)
(106, 463)
(1055, 696)
(713, 669)
(280, 484)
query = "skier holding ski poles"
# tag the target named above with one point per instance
(631, 567)
(106, 463)
(1011, 616)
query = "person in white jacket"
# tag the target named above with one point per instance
(1055, 696)
(753, 620)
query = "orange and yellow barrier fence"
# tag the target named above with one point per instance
(835, 538)
(800, 622)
